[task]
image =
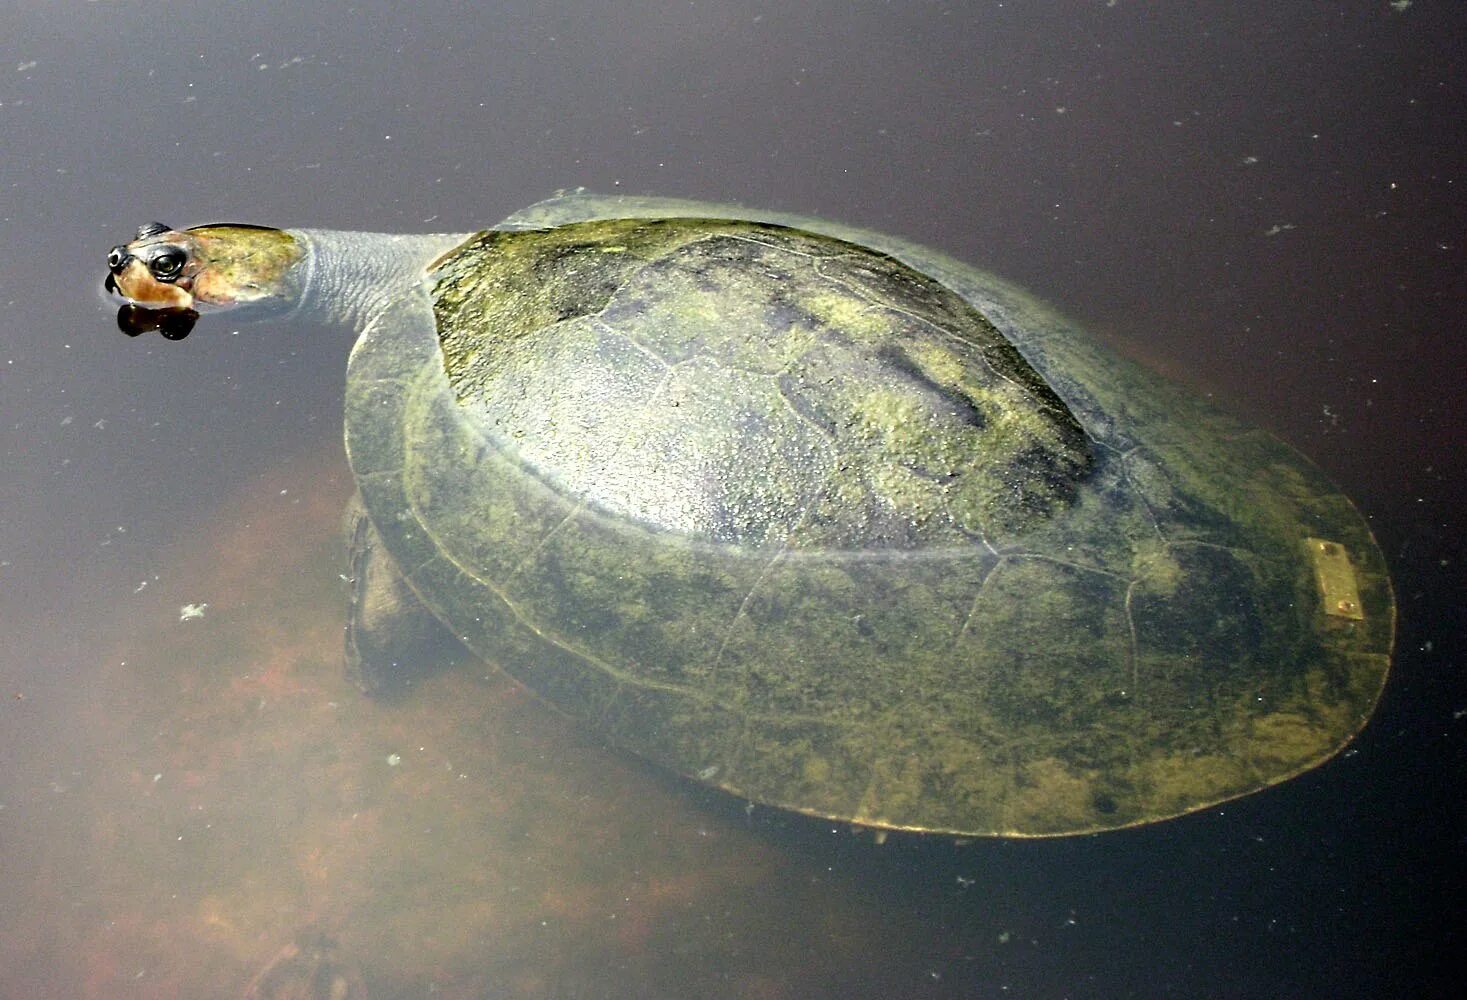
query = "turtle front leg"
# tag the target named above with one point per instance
(391, 638)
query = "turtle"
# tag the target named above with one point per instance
(818, 516)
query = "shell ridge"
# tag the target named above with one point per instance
(1134, 650)
(597, 319)
(748, 237)
(743, 607)
(981, 350)
(583, 501)
(978, 596)
(1140, 494)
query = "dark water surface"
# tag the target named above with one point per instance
(1262, 200)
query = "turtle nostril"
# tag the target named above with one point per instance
(117, 258)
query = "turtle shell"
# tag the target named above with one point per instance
(840, 525)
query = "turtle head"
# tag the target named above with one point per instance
(219, 265)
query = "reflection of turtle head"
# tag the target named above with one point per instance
(222, 265)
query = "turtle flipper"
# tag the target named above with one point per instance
(391, 638)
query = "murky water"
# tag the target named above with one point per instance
(1259, 200)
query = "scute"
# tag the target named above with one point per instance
(753, 385)
(879, 541)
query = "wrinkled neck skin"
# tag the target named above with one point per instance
(347, 279)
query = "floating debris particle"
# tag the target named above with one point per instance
(191, 611)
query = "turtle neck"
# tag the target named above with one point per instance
(348, 278)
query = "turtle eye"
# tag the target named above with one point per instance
(166, 265)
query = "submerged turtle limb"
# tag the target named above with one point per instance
(309, 968)
(391, 639)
